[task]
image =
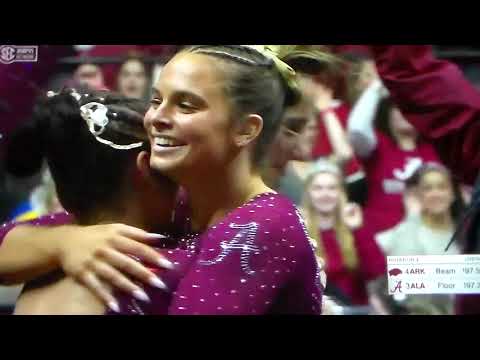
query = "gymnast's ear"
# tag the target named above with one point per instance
(143, 163)
(248, 130)
(142, 171)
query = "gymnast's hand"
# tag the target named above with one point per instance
(105, 256)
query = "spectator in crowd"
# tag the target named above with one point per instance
(361, 73)
(288, 149)
(133, 78)
(426, 233)
(330, 127)
(352, 257)
(391, 152)
(90, 75)
(110, 70)
(444, 107)
(331, 140)
(429, 231)
(340, 151)
(291, 153)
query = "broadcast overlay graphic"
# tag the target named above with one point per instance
(12, 53)
(440, 274)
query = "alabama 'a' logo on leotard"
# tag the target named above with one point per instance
(243, 242)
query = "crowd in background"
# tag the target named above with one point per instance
(366, 183)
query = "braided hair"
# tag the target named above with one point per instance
(86, 172)
(256, 85)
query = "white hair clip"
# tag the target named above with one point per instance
(95, 114)
(73, 93)
(76, 95)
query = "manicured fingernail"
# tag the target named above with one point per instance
(137, 259)
(140, 295)
(165, 264)
(156, 236)
(158, 283)
(113, 305)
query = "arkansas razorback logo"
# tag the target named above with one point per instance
(395, 272)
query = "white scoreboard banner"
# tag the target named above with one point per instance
(438, 274)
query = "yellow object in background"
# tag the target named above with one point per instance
(29, 215)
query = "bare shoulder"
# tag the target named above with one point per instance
(58, 295)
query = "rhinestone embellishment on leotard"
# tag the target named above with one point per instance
(243, 241)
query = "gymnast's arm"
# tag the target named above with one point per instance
(27, 250)
(93, 255)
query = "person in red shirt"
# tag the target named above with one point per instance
(352, 256)
(444, 107)
(330, 139)
(391, 151)
(436, 98)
